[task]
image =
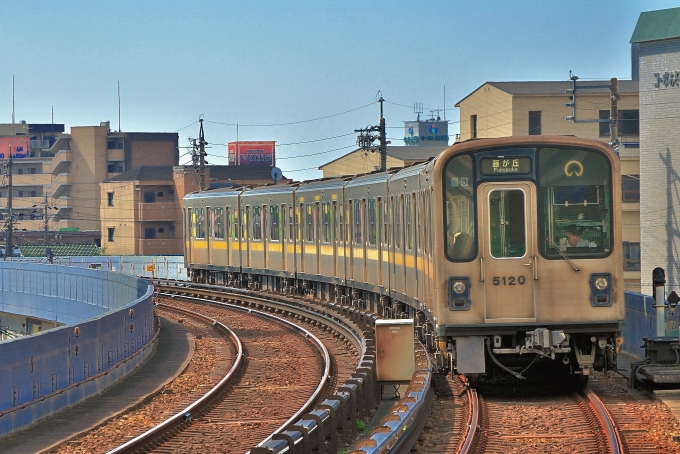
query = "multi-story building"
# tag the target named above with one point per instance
(656, 64)
(60, 174)
(141, 211)
(498, 109)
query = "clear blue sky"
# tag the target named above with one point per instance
(280, 63)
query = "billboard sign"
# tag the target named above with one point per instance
(18, 144)
(252, 153)
(432, 132)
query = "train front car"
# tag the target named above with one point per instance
(530, 265)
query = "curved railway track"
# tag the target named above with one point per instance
(276, 374)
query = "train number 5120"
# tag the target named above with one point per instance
(509, 280)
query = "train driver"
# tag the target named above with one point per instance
(574, 237)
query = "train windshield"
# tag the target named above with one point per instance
(575, 203)
(460, 209)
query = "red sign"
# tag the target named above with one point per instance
(18, 144)
(252, 153)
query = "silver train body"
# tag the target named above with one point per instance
(477, 245)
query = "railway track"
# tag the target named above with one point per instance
(274, 364)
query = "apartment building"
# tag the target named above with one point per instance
(498, 109)
(59, 174)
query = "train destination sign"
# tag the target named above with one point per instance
(506, 165)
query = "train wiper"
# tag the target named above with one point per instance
(564, 256)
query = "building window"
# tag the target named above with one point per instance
(630, 188)
(149, 197)
(149, 234)
(34, 193)
(31, 170)
(111, 230)
(473, 126)
(629, 123)
(20, 171)
(604, 125)
(534, 122)
(109, 196)
(160, 194)
(631, 256)
(161, 230)
(115, 167)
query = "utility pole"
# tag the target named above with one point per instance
(614, 112)
(366, 138)
(383, 138)
(45, 217)
(198, 155)
(9, 244)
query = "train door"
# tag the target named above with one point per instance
(282, 224)
(508, 256)
(188, 235)
(300, 246)
(351, 233)
(264, 228)
(317, 236)
(378, 242)
(364, 236)
(210, 234)
(245, 238)
(334, 235)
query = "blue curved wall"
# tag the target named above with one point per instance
(47, 372)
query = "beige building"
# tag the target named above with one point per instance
(360, 161)
(141, 210)
(499, 109)
(60, 175)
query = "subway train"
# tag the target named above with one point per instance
(504, 251)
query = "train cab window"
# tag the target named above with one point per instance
(575, 203)
(507, 227)
(274, 223)
(459, 200)
(218, 223)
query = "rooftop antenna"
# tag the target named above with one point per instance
(418, 109)
(118, 105)
(444, 102)
(432, 115)
(12, 102)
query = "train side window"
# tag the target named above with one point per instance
(244, 223)
(200, 222)
(333, 216)
(349, 217)
(385, 226)
(459, 209)
(341, 226)
(575, 211)
(398, 221)
(218, 223)
(507, 226)
(356, 219)
(257, 224)
(325, 222)
(298, 217)
(371, 236)
(274, 233)
(309, 223)
(291, 224)
(191, 216)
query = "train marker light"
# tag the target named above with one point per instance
(601, 283)
(459, 287)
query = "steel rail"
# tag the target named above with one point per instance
(472, 421)
(181, 417)
(325, 378)
(606, 420)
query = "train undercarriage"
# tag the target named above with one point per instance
(515, 354)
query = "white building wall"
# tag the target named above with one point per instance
(659, 164)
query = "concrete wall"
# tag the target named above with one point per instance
(163, 266)
(108, 333)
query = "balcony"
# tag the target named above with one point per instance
(61, 185)
(61, 163)
(152, 212)
(160, 246)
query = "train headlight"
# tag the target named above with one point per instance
(601, 283)
(459, 293)
(601, 289)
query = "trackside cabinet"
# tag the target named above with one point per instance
(395, 358)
